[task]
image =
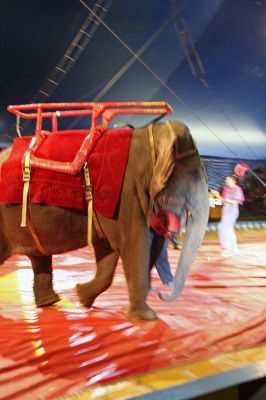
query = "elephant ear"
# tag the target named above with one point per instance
(162, 139)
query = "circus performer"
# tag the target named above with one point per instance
(231, 197)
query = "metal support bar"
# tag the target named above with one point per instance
(107, 111)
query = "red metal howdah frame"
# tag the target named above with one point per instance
(107, 111)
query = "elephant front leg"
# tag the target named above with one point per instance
(106, 260)
(135, 258)
(43, 281)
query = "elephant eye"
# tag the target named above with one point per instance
(195, 175)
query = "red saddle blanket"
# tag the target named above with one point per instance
(107, 165)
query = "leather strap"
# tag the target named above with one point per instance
(34, 234)
(26, 203)
(89, 198)
(185, 154)
(26, 186)
(98, 228)
(152, 145)
(91, 214)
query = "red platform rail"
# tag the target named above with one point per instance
(104, 111)
(107, 110)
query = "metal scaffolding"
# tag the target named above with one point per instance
(73, 52)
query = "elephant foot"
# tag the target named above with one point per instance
(82, 291)
(139, 314)
(47, 300)
(43, 290)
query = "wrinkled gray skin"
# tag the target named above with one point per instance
(176, 186)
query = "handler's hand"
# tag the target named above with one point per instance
(215, 193)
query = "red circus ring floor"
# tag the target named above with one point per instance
(68, 352)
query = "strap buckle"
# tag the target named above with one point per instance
(26, 174)
(26, 167)
(88, 192)
(88, 188)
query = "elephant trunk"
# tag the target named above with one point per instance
(196, 227)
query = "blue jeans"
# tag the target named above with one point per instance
(163, 267)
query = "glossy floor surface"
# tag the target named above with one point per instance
(66, 351)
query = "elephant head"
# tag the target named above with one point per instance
(178, 184)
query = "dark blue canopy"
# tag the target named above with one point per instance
(206, 58)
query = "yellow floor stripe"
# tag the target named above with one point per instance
(9, 288)
(16, 287)
(66, 304)
(247, 233)
(163, 379)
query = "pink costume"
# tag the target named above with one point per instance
(230, 213)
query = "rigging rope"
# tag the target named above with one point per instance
(73, 52)
(197, 69)
(128, 64)
(163, 83)
(69, 58)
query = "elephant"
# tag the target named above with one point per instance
(169, 177)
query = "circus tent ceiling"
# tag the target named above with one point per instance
(206, 58)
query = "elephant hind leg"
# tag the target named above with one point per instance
(106, 259)
(43, 281)
(3, 255)
(4, 248)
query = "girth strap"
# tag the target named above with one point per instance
(185, 154)
(91, 214)
(26, 203)
(89, 198)
(34, 234)
(152, 145)
(26, 186)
